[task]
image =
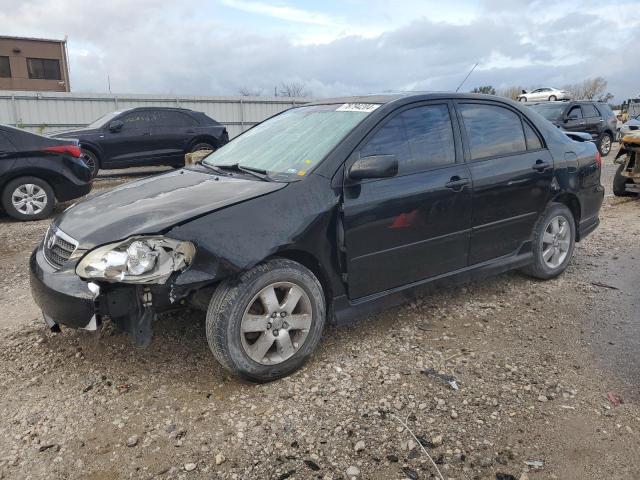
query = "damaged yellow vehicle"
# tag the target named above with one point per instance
(627, 179)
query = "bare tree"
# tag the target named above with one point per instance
(510, 92)
(293, 89)
(488, 89)
(590, 89)
(250, 92)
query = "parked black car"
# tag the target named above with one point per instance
(146, 136)
(595, 118)
(324, 212)
(35, 171)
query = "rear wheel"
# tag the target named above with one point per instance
(620, 183)
(604, 144)
(28, 198)
(552, 98)
(522, 99)
(265, 324)
(201, 146)
(90, 159)
(553, 241)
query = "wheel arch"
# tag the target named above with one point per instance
(94, 149)
(203, 139)
(571, 201)
(44, 175)
(309, 261)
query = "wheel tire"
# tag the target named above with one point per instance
(234, 297)
(539, 267)
(202, 146)
(91, 160)
(604, 144)
(522, 99)
(620, 184)
(14, 185)
(552, 98)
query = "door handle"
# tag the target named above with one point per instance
(456, 183)
(190, 131)
(540, 165)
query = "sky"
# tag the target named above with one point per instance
(335, 47)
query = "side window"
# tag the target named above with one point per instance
(575, 112)
(174, 119)
(589, 110)
(140, 119)
(533, 141)
(492, 130)
(421, 138)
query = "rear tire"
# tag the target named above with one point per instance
(522, 99)
(28, 198)
(604, 144)
(202, 146)
(250, 336)
(620, 184)
(90, 159)
(552, 98)
(552, 243)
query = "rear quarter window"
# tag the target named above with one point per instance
(492, 130)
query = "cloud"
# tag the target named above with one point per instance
(203, 48)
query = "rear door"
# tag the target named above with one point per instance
(415, 225)
(593, 120)
(133, 144)
(512, 173)
(7, 153)
(575, 121)
(172, 132)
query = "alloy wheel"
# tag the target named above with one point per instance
(556, 241)
(605, 145)
(276, 323)
(29, 199)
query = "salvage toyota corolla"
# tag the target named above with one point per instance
(324, 212)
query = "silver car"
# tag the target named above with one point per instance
(543, 94)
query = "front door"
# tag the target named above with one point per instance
(414, 225)
(512, 173)
(133, 144)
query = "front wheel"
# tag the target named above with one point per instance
(552, 98)
(28, 198)
(553, 241)
(522, 99)
(265, 324)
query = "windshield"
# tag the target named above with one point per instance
(103, 120)
(550, 111)
(288, 145)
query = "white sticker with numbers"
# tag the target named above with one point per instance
(357, 107)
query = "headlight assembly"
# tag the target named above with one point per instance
(137, 260)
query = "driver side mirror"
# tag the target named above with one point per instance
(116, 126)
(375, 166)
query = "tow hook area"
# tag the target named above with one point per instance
(131, 309)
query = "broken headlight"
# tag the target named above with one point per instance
(137, 260)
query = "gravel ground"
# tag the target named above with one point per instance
(533, 363)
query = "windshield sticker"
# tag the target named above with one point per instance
(358, 107)
(302, 173)
(292, 170)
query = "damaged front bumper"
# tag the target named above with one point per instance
(66, 299)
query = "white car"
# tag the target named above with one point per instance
(544, 94)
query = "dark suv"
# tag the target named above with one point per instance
(595, 118)
(323, 213)
(146, 136)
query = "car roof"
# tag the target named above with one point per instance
(384, 98)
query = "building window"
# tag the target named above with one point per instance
(43, 68)
(5, 68)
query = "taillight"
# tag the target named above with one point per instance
(599, 160)
(73, 150)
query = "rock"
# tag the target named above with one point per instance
(190, 467)
(454, 414)
(132, 441)
(220, 459)
(359, 446)
(542, 398)
(352, 471)
(436, 441)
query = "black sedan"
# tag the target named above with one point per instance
(322, 213)
(35, 171)
(146, 136)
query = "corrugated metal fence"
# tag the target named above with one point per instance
(48, 111)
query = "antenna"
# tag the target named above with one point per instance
(465, 78)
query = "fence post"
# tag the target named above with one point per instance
(241, 115)
(115, 100)
(14, 108)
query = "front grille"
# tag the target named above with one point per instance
(58, 247)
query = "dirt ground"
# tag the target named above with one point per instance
(540, 370)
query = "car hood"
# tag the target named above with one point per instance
(71, 133)
(633, 122)
(154, 204)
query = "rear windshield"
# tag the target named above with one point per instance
(289, 145)
(550, 111)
